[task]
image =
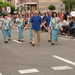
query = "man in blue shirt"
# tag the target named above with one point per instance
(48, 19)
(36, 27)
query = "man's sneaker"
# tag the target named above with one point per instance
(33, 44)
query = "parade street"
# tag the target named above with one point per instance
(21, 58)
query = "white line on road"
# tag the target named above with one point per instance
(28, 71)
(16, 41)
(65, 60)
(0, 74)
(61, 67)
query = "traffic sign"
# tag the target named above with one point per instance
(8, 9)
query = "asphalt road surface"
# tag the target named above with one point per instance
(21, 58)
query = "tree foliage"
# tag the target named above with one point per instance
(51, 7)
(6, 4)
(72, 4)
(0, 0)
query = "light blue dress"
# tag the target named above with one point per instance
(55, 28)
(20, 25)
(10, 26)
(30, 29)
(5, 28)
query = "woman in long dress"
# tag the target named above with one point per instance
(5, 28)
(55, 25)
(20, 25)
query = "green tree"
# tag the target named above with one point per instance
(72, 4)
(6, 4)
(51, 7)
(0, 0)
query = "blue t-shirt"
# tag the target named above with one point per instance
(48, 18)
(36, 21)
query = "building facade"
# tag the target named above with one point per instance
(40, 5)
(10, 1)
(43, 4)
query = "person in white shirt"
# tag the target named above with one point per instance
(65, 26)
(72, 13)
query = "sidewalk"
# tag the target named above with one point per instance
(66, 36)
